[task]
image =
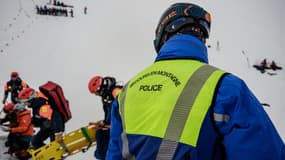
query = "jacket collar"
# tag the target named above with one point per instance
(183, 47)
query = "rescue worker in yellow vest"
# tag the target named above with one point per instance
(46, 118)
(108, 89)
(182, 108)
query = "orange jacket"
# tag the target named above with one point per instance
(116, 91)
(25, 127)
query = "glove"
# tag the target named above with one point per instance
(5, 128)
(101, 123)
(103, 126)
(58, 137)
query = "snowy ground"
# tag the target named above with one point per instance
(115, 38)
(2, 146)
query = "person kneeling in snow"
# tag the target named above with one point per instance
(20, 129)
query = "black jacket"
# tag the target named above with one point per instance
(13, 86)
(56, 123)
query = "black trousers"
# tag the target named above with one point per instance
(41, 136)
(17, 143)
(102, 141)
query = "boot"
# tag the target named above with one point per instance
(23, 155)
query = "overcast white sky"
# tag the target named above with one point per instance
(115, 38)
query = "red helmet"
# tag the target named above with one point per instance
(26, 95)
(95, 84)
(14, 74)
(8, 107)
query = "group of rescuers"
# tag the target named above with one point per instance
(179, 107)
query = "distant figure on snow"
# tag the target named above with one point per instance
(71, 12)
(85, 10)
(218, 46)
(274, 66)
(263, 64)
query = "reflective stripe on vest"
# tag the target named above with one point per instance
(221, 117)
(178, 113)
(125, 151)
(188, 114)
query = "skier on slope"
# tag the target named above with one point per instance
(20, 129)
(85, 10)
(264, 64)
(274, 66)
(14, 86)
(107, 89)
(49, 120)
(181, 108)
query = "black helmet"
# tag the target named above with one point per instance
(107, 85)
(176, 17)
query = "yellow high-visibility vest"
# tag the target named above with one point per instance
(169, 100)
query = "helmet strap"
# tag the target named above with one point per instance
(193, 30)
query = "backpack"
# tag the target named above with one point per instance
(56, 99)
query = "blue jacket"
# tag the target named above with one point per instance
(246, 131)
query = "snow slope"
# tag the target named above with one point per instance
(115, 38)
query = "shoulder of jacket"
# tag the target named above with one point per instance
(232, 81)
(25, 112)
